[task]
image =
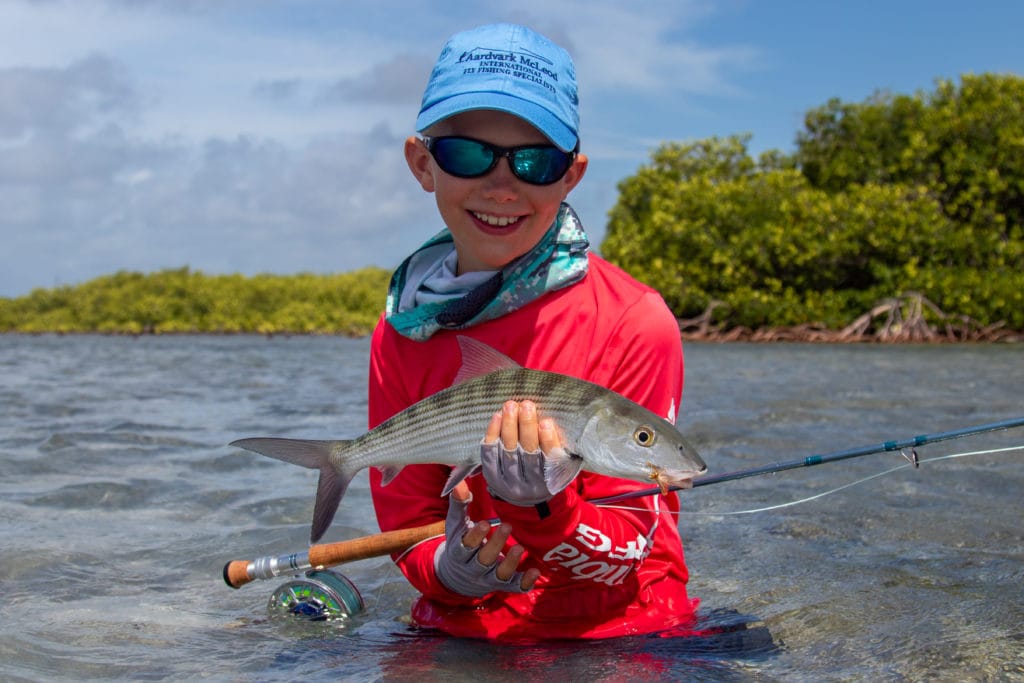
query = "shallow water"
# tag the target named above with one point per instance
(120, 504)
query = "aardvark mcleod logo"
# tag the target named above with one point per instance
(524, 64)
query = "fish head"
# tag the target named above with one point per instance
(625, 440)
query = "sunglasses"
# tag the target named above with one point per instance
(469, 158)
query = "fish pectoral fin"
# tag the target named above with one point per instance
(459, 472)
(560, 468)
(388, 473)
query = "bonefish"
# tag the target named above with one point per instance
(601, 431)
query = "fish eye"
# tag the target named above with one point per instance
(644, 436)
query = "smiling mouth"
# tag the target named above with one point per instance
(496, 221)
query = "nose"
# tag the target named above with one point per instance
(501, 184)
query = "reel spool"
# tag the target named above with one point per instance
(322, 595)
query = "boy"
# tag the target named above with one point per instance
(500, 151)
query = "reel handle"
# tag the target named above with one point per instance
(237, 573)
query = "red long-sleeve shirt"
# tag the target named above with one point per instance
(604, 571)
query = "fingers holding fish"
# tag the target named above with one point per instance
(494, 427)
(519, 423)
(468, 563)
(510, 418)
(515, 476)
(476, 537)
(548, 437)
(528, 436)
(461, 493)
(488, 550)
(491, 553)
(508, 568)
(514, 456)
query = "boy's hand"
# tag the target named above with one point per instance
(469, 563)
(512, 455)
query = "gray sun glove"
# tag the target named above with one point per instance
(457, 566)
(514, 476)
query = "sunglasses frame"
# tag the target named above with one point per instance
(498, 152)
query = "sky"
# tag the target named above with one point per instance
(260, 136)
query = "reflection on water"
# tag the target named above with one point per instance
(120, 504)
(719, 641)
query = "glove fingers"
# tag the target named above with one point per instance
(515, 475)
(459, 568)
(531, 467)
(456, 523)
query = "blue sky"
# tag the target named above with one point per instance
(265, 135)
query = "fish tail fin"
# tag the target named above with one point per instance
(314, 455)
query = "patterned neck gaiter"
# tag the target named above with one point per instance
(425, 295)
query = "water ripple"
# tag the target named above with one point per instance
(120, 503)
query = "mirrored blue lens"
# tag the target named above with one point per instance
(468, 158)
(463, 157)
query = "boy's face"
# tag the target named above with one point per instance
(496, 217)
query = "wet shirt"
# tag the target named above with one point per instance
(604, 572)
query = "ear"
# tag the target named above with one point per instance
(575, 173)
(420, 162)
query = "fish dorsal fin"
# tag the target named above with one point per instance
(479, 359)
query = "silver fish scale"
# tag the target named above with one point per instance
(448, 426)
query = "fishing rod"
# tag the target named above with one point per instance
(812, 460)
(237, 573)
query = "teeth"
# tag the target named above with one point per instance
(496, 221)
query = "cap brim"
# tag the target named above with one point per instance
(538, 117)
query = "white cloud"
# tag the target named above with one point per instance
(44, 101)
(267, 136)
(398, 81)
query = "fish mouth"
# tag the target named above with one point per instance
(669, 479)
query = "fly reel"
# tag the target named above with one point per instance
(322, 595)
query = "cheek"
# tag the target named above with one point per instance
(448, 188)
(547, 205)
(450, 200)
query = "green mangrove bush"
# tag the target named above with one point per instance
(182, 300)
(920, 193)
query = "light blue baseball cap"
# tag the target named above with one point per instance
(507, 68)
